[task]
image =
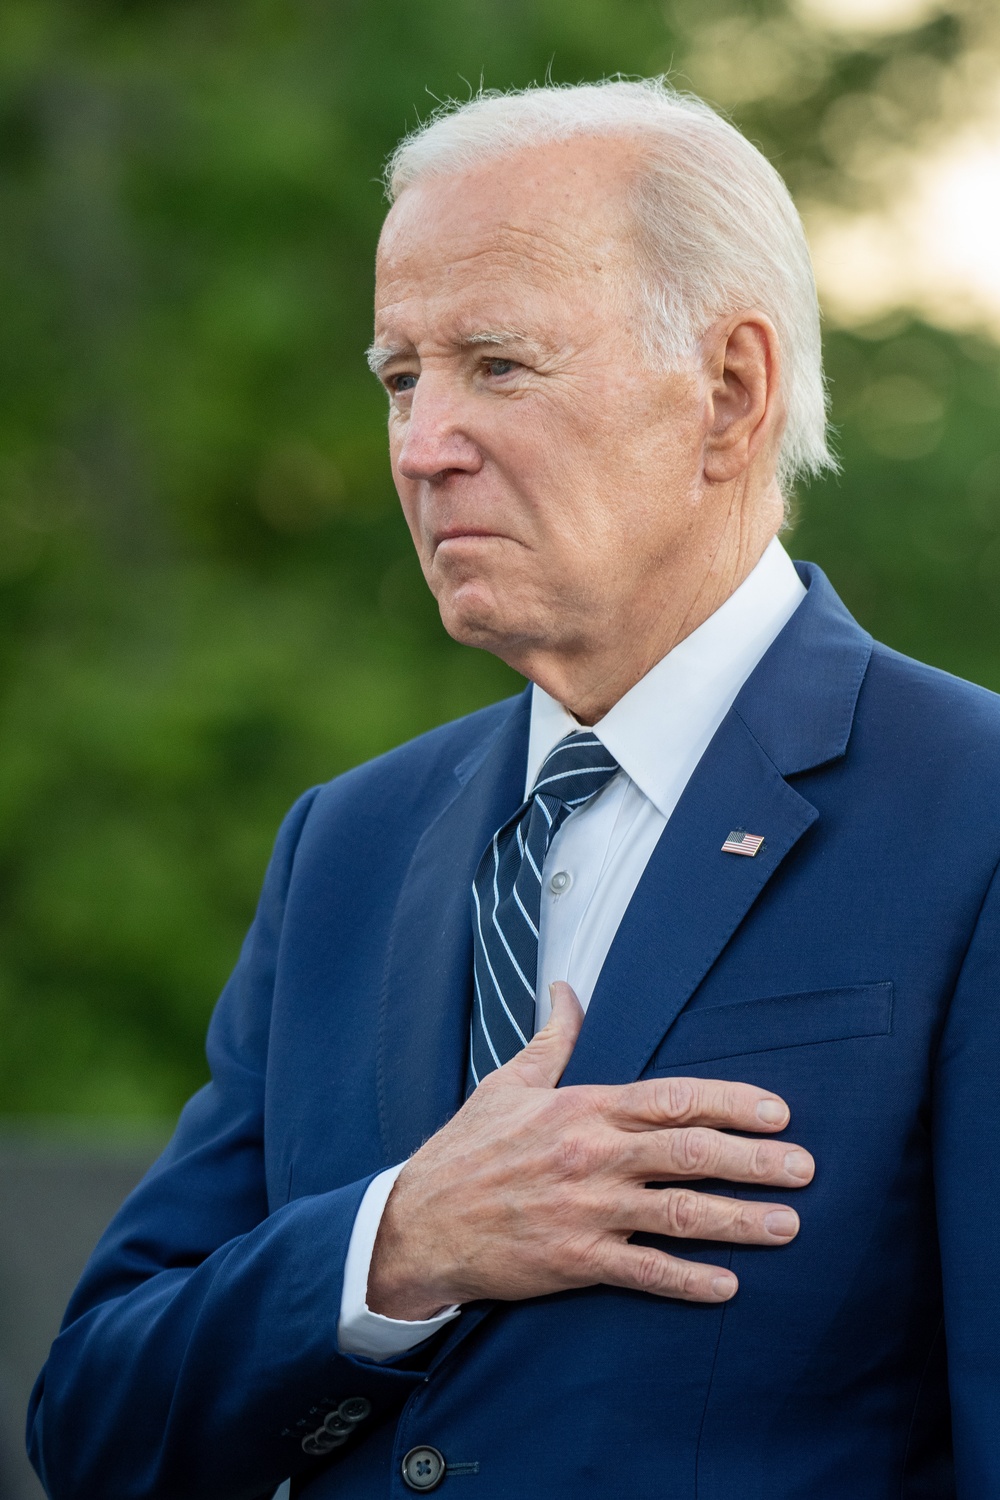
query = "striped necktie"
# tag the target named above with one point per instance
(507, 898)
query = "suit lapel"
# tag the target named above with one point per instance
(794, 713)
(426, 993)
(689, 902)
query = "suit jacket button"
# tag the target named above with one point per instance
(319, 1443)
(354, 1409)
(335, 1425)
(423, 1468)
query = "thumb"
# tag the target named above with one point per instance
(540, 1064)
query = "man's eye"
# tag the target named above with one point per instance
(498, 367)
(400, 384)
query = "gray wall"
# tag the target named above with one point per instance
(58, 1189)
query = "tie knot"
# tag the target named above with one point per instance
(575, 770)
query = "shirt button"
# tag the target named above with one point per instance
(560, 882)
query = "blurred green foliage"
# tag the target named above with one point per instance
(207, 597)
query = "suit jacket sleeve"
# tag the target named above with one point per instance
(966, 1126)
(201, 1343)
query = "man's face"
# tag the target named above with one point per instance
(548, 478)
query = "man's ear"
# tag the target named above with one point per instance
(743, 364)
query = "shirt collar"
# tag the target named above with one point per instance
(662, 726)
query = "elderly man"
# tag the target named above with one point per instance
(724, 874)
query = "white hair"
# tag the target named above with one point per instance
(716, 226)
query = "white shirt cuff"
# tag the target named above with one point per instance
(361, 1331)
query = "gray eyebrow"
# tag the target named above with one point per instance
(379, 355)
(492, 337)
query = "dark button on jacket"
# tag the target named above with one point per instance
(336, 1427)
(423, 1468)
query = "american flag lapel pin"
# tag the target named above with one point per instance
(741, 842)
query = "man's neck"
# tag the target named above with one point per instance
(590, 684)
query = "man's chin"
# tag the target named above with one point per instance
(484, 625)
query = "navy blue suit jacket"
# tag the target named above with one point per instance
(852, 966)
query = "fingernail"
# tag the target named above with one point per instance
(552, 991)
(724, 1287)
(798, 1164)
(782, 1223)
(772, 1112)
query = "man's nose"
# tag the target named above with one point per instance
(436, 441)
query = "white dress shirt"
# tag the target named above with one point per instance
(657, 733)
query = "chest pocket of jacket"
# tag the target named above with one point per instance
(771, 1024)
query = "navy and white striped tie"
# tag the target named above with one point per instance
(507, 898)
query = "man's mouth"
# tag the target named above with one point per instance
(464, 533)
(455, 533)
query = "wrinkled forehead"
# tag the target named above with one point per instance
(543, 217)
